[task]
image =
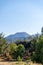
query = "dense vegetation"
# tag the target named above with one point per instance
(31, 50)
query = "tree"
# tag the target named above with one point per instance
(17, 50)
(2, 43)
(38, 53)
(13, 47)
(42, 30)
(13, 50)
(20, 50)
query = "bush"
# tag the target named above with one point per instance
(38, 53)
(19, 58)
(20, 50)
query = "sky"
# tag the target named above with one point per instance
(21, 16)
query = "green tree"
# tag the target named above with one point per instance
(42, 30)
(38, 53)
(13, 50)
(2, 43)
(17, 50)
(33, 42)
(13, 47)
(20, 50)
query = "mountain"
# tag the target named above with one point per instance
(18, 36)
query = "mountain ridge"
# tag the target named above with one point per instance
(17, 36)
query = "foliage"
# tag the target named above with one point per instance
(13, 47)
(38, 54)
(19, 58)
(16, 50)
(13, 50)
(20, 50)
(42, 30)
(3, 43)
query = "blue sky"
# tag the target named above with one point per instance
(21, 16)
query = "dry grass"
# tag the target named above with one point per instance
(18, 63)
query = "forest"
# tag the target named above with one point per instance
(23, 51)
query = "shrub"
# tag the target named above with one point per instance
(19, 58)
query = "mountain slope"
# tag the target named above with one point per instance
(17, 36)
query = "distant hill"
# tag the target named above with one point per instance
(18, 36)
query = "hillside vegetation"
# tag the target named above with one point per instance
(22, 50)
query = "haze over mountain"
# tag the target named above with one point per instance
(18, 36)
